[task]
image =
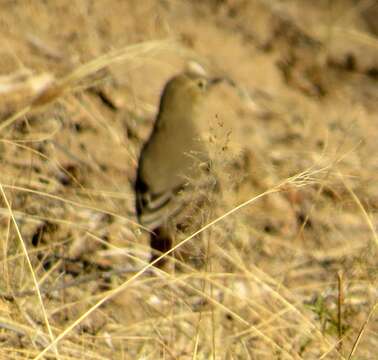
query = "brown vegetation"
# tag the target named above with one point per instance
(291, 252)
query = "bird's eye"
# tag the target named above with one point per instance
(201, 83)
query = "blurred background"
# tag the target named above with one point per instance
(292, 274)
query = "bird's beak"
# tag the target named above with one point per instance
(217, 80)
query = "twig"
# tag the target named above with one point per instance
(362, 330)
(68, 284)
(340, 302)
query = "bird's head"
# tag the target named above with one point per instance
(186, 91)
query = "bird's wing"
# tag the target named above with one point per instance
(155, 209)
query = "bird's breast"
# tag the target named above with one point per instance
(172, 156)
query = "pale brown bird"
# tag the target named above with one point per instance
(173, 171)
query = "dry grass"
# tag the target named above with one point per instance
(291, 245)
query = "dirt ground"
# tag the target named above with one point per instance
(291, 243)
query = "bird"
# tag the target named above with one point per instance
(173, 174)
